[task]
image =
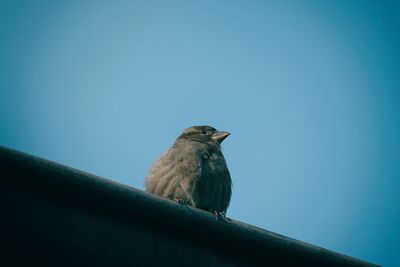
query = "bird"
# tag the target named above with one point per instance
(194, 171)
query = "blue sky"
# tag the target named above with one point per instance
(310, 91)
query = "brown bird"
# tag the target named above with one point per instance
(193, 171)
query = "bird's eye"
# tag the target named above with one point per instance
(204, 132)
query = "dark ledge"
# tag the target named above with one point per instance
(54, 215)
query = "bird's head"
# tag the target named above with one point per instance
(204, 134)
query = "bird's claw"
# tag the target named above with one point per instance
(218, 214)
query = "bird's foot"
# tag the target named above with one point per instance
(183, 201)
(180, 201)
(218, 214)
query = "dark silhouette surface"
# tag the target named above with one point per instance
(53, 215)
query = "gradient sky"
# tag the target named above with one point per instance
(310, 91)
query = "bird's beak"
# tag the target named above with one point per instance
(220, 136)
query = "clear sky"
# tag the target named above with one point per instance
(310, 91)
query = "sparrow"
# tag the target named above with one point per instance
(194, 171)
